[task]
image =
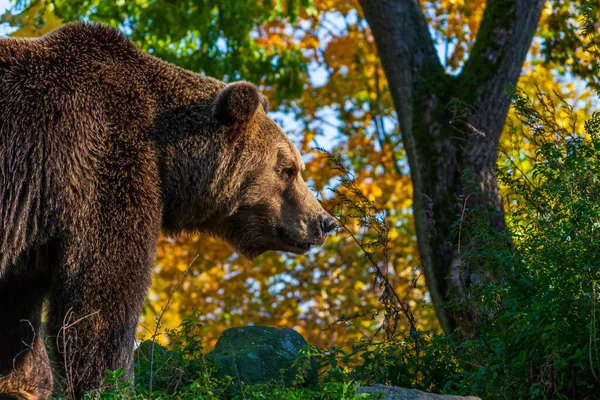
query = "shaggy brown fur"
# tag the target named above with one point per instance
(101, 147)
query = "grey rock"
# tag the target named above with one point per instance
(257, 354)
(398, 393)
(165, 364)
(148, 350)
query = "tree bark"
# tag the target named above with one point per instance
(441, 145)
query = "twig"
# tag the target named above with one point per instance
(159, 320)
(66, 325)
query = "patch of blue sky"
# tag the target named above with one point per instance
(5, 29)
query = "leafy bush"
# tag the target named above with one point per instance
(536, 330)
(184, 372)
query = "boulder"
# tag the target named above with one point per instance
(398, 393)
(143, 353)
(164, 362)
(260, 354)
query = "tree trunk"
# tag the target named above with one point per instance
(440, 144)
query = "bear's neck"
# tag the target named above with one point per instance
(174, 87)
(188, 146)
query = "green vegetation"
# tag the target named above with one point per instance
(185, 372)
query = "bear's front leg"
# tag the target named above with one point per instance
(24, 366)
(95, 306)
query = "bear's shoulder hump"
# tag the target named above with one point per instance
(91, 34)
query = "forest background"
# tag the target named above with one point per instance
(317, 62)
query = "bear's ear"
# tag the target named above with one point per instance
(236, 103)
(264, 102)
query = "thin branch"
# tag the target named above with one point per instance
(160, 319)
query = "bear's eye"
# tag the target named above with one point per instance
(288, 173)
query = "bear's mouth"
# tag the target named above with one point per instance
(297, 246)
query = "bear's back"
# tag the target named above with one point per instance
(66, 59)
(79, 38)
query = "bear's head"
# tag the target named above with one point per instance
(230, 171)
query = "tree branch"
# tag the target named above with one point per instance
(404, 46)
(495, 62)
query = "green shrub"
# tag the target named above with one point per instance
(184, 372)
(536, 328)
(536, 331)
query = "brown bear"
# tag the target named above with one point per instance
(102, 147)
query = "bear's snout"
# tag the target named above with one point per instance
(326, 223)
(320, 227)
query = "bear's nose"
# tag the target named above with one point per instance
(327, 223)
